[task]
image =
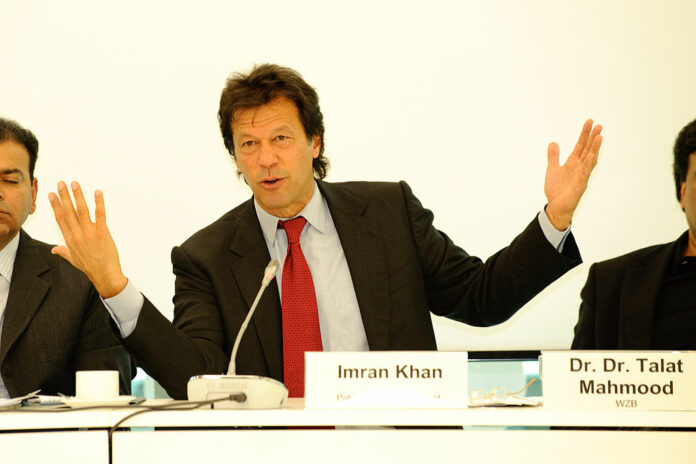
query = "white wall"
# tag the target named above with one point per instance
(459, 98)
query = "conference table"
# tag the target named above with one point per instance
(298, 434)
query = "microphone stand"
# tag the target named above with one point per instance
(242, 391)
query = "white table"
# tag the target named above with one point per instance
(54, 437)
(183, 436)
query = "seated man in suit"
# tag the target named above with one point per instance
(644, 299)
(52, 322)
(361, 265)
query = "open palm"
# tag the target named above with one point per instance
(564, 185)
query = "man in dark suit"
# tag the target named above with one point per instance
(378, 266)
(51, 318)
(644, 299)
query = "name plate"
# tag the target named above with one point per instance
(384, 379)
(658, 380)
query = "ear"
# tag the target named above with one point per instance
(316, 146)
(34, 191)
(682, 192)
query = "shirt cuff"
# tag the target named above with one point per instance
(125, 307)
(555, 237)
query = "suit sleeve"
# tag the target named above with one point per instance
(97, 348)
(172, 352)
(464, 288)
(585, 328)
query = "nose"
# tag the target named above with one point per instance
(267, 155)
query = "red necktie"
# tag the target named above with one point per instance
(300, 315)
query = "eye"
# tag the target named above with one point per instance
(247, 143)
(10, 181)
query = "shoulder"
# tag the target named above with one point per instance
(212, 242)
(222, 226)
(368, 192)
(636, 258)
(35, 255)
(362, 188)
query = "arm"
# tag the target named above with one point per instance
(170, 354)
(463, 288)
(193, 344)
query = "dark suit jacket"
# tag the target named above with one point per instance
(618, 300)
(54, 324)
(401, 266)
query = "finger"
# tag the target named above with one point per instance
(593, 156)
(72, 231)
(58, 214)
(100, 211)
(590, 160)
(80, 204)
(66, 205)
(582, 139)
(61, 251)
(552, 154)
(596, 131)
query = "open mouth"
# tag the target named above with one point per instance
(270, 181)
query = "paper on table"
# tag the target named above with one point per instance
(7, 403)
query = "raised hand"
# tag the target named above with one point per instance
(88, 245)
(564, 185)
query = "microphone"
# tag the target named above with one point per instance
(242, 391)
(268, 275)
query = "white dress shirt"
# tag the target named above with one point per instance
(339, 314)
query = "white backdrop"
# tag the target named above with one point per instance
(459, 98)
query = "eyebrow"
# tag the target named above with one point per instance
(283, 127)
(12, 171)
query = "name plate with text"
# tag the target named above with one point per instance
(657, 380)
(383, 379)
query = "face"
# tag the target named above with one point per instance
(275, 157)
(17, 190)
(688, 203)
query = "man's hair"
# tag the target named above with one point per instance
(263, 84)
(684, 147)
(11, 130)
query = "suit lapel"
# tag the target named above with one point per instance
(639, 295)
(27, 291)
(250, 259)
(366, 262)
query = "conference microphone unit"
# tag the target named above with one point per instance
(242, 391)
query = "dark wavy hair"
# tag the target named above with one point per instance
(684, 147)
(11, 130)
(265, 83)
